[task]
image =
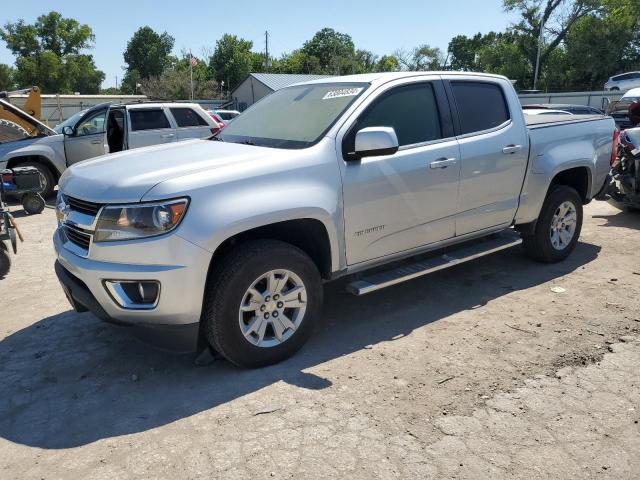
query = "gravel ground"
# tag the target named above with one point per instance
(481, 371)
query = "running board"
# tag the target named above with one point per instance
(491, 244)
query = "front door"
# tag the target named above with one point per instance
(89, 136)
(398, 202)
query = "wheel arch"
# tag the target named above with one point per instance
(579, 178)
(308, 234)
(40, 159)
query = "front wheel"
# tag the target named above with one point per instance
(262, 303)
(558, 226)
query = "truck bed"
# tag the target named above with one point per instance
(541, 121)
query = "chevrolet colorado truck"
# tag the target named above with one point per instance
(225, 243)
(103, 128)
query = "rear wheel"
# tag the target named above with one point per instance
(262, 303)
(558, 227)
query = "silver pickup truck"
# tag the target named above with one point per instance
(226, 242)
(104, 128)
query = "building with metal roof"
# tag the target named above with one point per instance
(259, 85)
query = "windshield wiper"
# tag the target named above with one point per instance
(216, 138)
(246, 142)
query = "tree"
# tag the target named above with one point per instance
(147, 55)
(49, 54)
(557, 16)
(423, 57)
(233, 60)
(175, 82)
(387, 63)
(463, 50)
(333, 50)
(6, 77)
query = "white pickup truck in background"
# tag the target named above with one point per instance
(227, 241)
(105, 128)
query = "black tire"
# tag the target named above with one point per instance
(48, 180)
(33, 203)
(5, 260)
(232, 277)
(10, 131)
(538, 245)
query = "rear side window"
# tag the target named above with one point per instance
(481, 106)
(411, 111)
(151, 119)
(186, 117)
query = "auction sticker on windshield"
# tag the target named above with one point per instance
(343, 92)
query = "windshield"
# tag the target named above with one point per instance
(294, 117)
(69, 122)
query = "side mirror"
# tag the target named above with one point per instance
(376, 141)
(68, 131)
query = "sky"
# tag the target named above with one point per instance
(381, 27)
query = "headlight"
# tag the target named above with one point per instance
(129, 222)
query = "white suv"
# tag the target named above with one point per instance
(623, 82)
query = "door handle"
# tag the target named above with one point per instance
(96, 142)
(509, 149)
(167, 135)
(443, 163)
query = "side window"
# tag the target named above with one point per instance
(481, 105)
(412, 111)
(186, 117)
(151, 119)
(91, 124)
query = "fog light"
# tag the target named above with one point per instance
(134, 294)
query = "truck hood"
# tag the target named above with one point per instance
(126, 176)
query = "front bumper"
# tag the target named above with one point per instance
(178, 265)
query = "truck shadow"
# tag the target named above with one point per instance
(69, 380)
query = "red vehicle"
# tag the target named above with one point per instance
(217, 119)
(623, 189)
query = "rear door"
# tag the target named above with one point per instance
(89, 137)
(494, 151)
(149, 126)
(190, 123)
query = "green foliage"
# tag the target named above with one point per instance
(175, 82)
(334, 51)
(387, 63)
(233, 60)
(147, 55)
(6, 77)
(585, 42)
(48, 54)
(421, 58)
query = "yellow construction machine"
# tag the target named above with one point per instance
(16, 123)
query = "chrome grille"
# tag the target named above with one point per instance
(78, 237)
(90, 208)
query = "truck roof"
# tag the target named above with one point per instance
(384, 77)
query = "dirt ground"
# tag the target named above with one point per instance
(481, 371)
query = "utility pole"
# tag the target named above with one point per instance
(540, 41)
(266, 50)
(191, 72)
(116, 82)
